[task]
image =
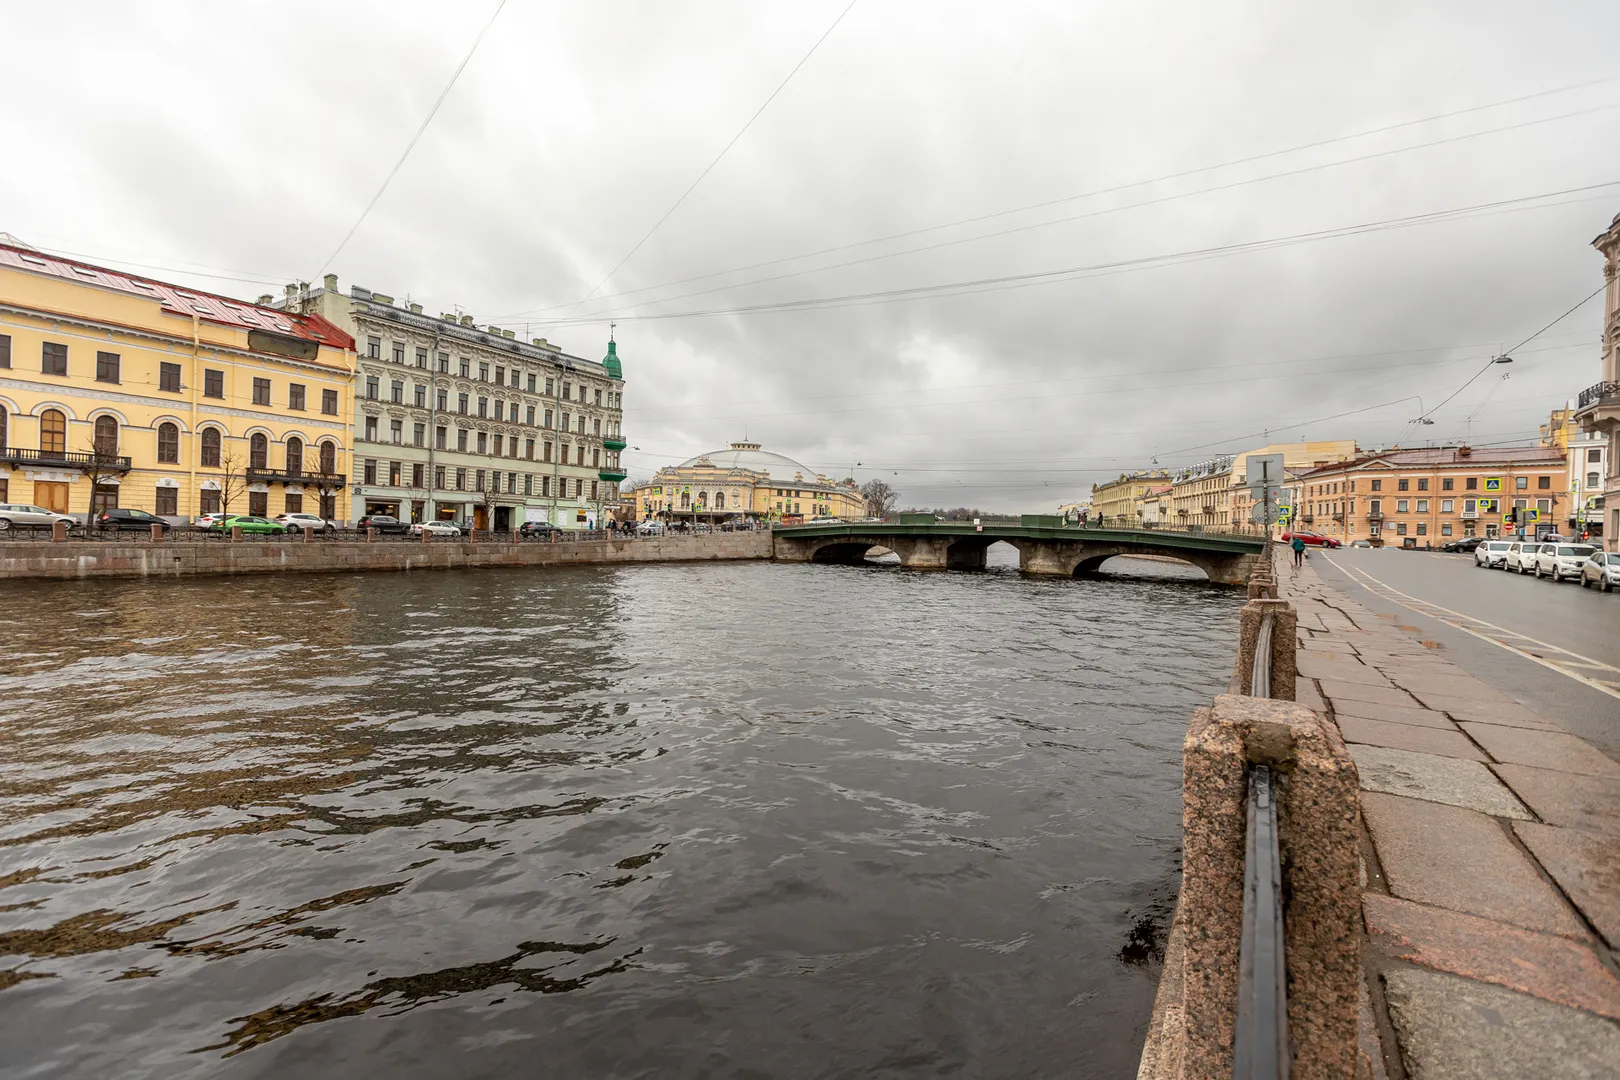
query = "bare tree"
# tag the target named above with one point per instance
(232, 480)
(881, 499)
(101, 465)
(327, 483)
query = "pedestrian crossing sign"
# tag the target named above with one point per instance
(1493, 483)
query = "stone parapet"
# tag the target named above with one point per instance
(116, 559)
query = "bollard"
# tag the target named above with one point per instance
(427, 535)
(157, 533)
(472, 536)
(371, 534)
(58, 531)
(236, 533)
(309, 533)
(1284, 641)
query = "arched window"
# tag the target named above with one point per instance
(106, 436)
(259, 451)
(52, 432)
(329, 457)
(169, 443)
(295, 455)
(210, 448)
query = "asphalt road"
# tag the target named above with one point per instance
(1555, 648)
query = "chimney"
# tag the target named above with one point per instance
(448, 316)
(266, 300)
(1465, 451)
(292, 291)
(330, 281)
(416, 309)
(466, 320)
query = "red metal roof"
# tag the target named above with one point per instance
(177, 300)
(1437, 456)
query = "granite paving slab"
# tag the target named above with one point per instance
(1459, 859)
(1504, 713)
(1455, 1029)
(1334, 690)
(1446, 742)
(1348, 669)
(1435, 779)
(1393, 714)
(1544, 749)
(1584, 802)
(1586, 866)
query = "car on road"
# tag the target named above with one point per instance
(383, 523)
(1492, 554)
(250, 525)
(114, 520)
(535, 530)
(1463, 544)
(1312, 539)
(1513, 560)
(650, 528)
(300, 522)
(1361, 543)
(1601, 569)
(207, 521)
(29, 516)
(446, 529)
(1560, 561)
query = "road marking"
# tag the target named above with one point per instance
(1462, 622)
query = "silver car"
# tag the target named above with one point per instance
(1491, 554)
(298, 522)
(29, 516)
(1560, 561)
(1601, 569)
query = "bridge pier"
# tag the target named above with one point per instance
(1055, 558)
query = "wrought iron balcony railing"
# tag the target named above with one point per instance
(66, 459)
(282, 476)
(1599, 392)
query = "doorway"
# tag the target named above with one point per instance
(503, 519)
(480, 519)
(51, 495)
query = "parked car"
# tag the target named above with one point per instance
(650, 528)
(300, 522)
(1312, 539)
(437, 528)
(1512, 560)
(531, 530)
(29, 516)
(1560, 561)
(1601, 569)
(1463, 544)
(1492, 554)
(1361, 543)
(250, 525)
(113, 520)
(383, 523)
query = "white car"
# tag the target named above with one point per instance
(1491, 554)
(208, 521)
(300, 522)
(1520, 557)
(1601, 569)
(436, 528)
(1560, 561)
(29, 516)
(650, 528)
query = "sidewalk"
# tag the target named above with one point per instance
(1491, 856)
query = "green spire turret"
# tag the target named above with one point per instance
(611, 360)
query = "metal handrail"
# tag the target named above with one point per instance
(1260, 1047)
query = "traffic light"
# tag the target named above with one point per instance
(1512, 517)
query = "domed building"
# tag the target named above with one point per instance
(744, 483)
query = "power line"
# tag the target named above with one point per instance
(724, 150)
(1122, 266)
(1228, 186)
(412, 144)
(1122, 187)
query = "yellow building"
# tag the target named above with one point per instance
(1298, 458)
(744, 482)
(119, 391)
(1115, 500)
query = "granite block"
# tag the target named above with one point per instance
(1554, 750)
(1445, 742)
(1585, 802)
(1586, 866)
(1452, 781)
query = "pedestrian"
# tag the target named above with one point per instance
(1299, 551)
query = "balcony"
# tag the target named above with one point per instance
(1308, 518)
(275, 476)
(614, 442)
(612, 476)
(1470, 515)
(1375, 515)
(64, 459)
(1598, 405)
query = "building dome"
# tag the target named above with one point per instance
(748, 455)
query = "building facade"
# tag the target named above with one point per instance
(1587, 455)
(1298, 458)
(1433, 495)
(1114, 501)
(1202, 495)
(1155, 507)
(459, 422)
(744, 482)
(122, 391)
(1598, 407)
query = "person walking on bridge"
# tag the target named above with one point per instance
(1299, 551)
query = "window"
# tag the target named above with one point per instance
(420, 396)
(563, 423)
(528, 449)
(396, 392)
(1544, 505)
(1400, 528)
(547, 451)
(1446, 505)
(532, 379)
(596, 458)
(1403, 484)
(478, 480)
(1543, 483)
(443, 400)
(168, 444)
(1593, 456)
(53, 359)
(1423, 506)
(549, 384)
(438, 476)
(461, 439)
(210, 448)
(52, 432)
(168, 501)
(545, 486)
(593, 490)
(106, 437)
(466, 367)
(1423, 528)
(1521, 483)
(1378, 485)
(5, 351)
(208, 500)
(461, 404)
(418, 475)
(528, 479)
(444, 363)
(439, 435)
(393, 474)
(483, 445)
(1471, 483)
(529, 416)
(483, 376)
(1403, 506)
(371, 388)
(259, 451)
(421, 358)
(295, 456)
(371, 429)
(1447, 483)
(548, 419)
(329, 402)
(328, 461)
(1445, 528)
(399, 352)
(496, 448)
(483, 406)
(419, 435)
(258, 503)
(500, 376)
(107, 364)
(461, 480)
(292, 502)
(579, 455)
(261, 391)
(295, 396)
(599, 397)
(566, 389)
(396, 431)
(1593, 479)
(371, 471)
(500, 410)
(596, 426)
(374, 347)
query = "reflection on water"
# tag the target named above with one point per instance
(681, 821)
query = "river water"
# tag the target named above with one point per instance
(724, 820)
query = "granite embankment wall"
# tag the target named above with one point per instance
(78, 559)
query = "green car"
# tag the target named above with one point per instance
(248, 525)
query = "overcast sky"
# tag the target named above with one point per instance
(245, 141)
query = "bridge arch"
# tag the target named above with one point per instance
(1094, 564)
